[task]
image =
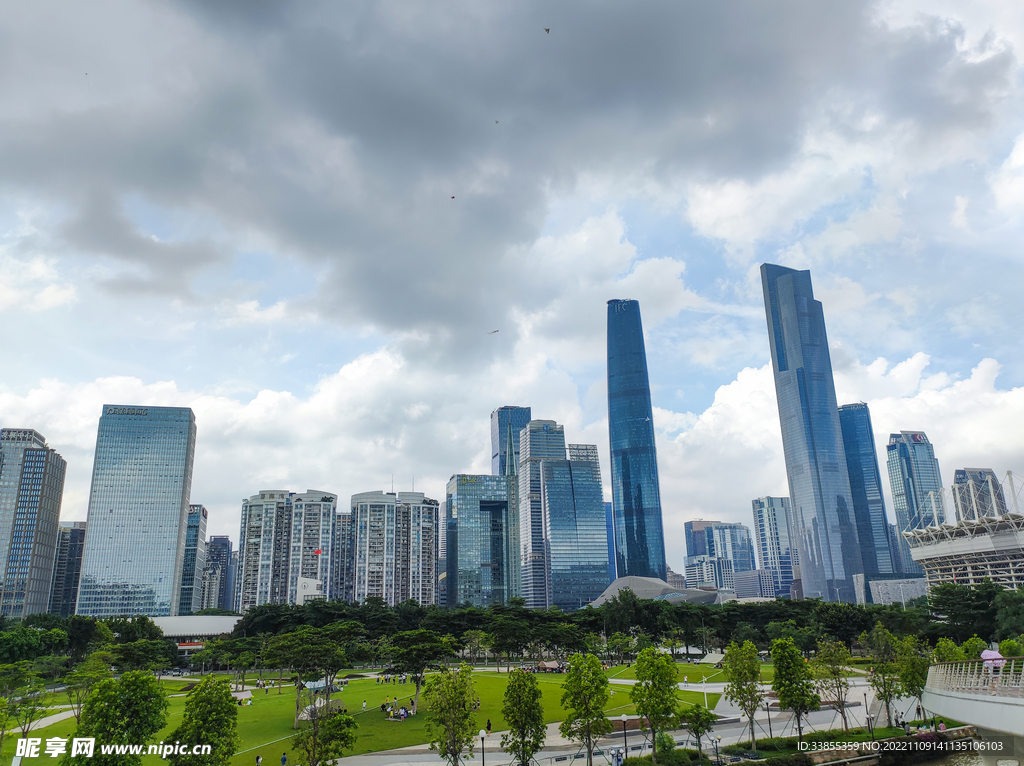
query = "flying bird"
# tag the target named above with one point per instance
(453, 196)
(495, 122)
(493, 331)
(547, 30)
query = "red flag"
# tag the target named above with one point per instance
(318, 551)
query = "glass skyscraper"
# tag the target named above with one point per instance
(977, 493)
(731, 541)
(138, 510)
(636, 497)
(194, 562)
(505, 422)
(67, 569)
(776, 543)
(478, 554)
(31, 489)
(812, 440)
(916, 488)
(694, 537)
(218, 554)
(866, 487)
(540, 440)
(574, 528)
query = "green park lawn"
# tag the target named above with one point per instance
(265, 727)
(694, 673)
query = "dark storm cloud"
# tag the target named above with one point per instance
(340, 133)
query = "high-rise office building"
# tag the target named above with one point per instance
(709, 572)
(209, 587)
(731, 541)
(916, 488)
(194, 562)
(138, 509)
(344, 556)
(895, 549)
(636, 496)
(394, 546)
(67, 568)
(977, 493)
(478, 555)
(264, 547)
(31, 489)
(574, 529)
(505, 422)
(695, 538)
(812, 440)
(540, 440)
(866, 487)
(219, 551)
(776, 543)
(609, 523)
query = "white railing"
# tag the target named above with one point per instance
(987, 677)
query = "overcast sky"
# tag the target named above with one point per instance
(304, 221)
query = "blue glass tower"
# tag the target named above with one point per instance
(138, 510)
(866, 487)
(812, 440)
(503, 421)
(194, 562)
(636, 497)
(916, 488)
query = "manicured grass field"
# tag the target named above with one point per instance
(695, 673)
(265, 727)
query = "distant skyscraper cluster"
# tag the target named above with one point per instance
(831, 537)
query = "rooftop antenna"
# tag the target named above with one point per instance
(392, 484)
(414, 482)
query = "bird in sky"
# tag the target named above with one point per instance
(453, 196)
(547, 30)
(495, 122)
(493, 331)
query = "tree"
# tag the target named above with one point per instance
(1010, 647)
(334, 732)
(80, 681)
(210, 719)
(5, 718)
(793, 682)
(831, 664)
(973, 647)
(883, 676)
(1010, 613)
(28, 706)
(946, 650)
(525, 717)
(509, 636)
(743, 669)
(474, 641)
(620, 645)
(913, 657)
(700, 721)
(584, 695)
(414, 651)
(314, 654)
(654, 693)
(124, 711)
(449, 697)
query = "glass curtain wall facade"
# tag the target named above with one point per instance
(866, 487)
(977, 493)
(540, 440)
(194, 562)
(916, 488)
(138, 507)
(695, 537)
(812, 440)
(477, 553)
(731, 541)
(504, 420)
(31, 489)
(636, 496)
(67, 569)
(218, 554)
(574, 529)
(773, 531)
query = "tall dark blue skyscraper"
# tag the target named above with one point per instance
(866, 488)
(503, 421)
(636, 497)
(916, 488)
(819, 484)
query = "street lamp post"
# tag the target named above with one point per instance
(483, 751)
(625, 744)
(717, 740)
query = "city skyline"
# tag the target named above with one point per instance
(230, 232)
